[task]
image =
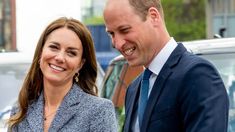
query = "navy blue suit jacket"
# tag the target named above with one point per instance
(187, 96)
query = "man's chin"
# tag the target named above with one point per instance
(132, 63)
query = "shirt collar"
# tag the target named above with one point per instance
(161, 58)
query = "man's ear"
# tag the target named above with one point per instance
(154, 15)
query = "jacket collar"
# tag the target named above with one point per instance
(66, 110)
(160, 81)
(34, 115)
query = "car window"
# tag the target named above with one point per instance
(114, 71)
(117, 78)
(225, 64)
(11, 78)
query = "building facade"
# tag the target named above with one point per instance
(7, 25)
(220, 18)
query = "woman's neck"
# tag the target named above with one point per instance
(54, 94)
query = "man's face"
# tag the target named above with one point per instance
(131, 36)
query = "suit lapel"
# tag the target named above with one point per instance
(35, 115)
(158, 86)
(132, 103)
(67, 109)
(154, 96)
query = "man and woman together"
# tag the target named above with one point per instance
(184, 92)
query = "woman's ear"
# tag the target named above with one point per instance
(81, 64)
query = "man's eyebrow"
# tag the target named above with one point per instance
(108, 31)
(118, 28)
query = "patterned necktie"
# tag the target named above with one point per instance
(143, 98)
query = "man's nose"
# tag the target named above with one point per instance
(118, 42)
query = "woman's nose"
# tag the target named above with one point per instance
(60, 57)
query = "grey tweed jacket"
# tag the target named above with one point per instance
(79, 112)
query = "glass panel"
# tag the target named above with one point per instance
(9, 91)
(11, 80)
(218, 6)
(6, 33)
(232, 5)
(113, 79)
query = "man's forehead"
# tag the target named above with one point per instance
(117, 7)
(114, 3)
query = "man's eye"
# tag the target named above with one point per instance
(125, 30)
(111, 34)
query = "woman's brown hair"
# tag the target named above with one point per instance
(33, 83)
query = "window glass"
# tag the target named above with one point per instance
(220, 7)
(14, 73)
(217, 6)
(113, 79)
(7, 28)
(232, 6)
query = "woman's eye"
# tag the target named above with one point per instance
(72, 53)
(53, 47)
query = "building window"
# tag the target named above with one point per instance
(221, 7)
(7, 25)
(91, 8)
(218, 6)
(232, 6)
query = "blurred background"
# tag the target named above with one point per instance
(22, 21)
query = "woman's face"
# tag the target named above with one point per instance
(61, 57)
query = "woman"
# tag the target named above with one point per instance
(59, 91)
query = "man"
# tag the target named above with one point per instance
(184, 92)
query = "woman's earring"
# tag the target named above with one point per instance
(76, 77)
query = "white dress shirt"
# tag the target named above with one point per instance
(156, 66)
